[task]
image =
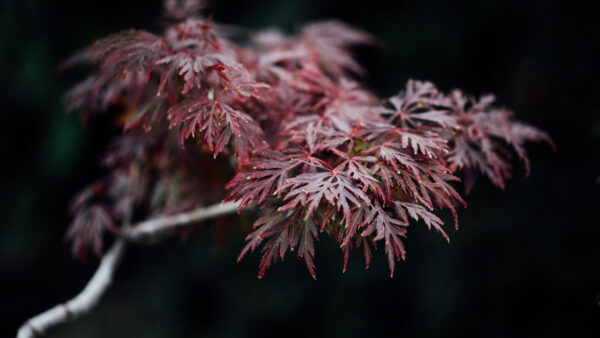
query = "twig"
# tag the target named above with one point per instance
(148, 231)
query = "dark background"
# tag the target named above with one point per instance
(525, 263)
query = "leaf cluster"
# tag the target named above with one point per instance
(310, 148)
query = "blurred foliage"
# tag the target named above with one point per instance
(524, 263)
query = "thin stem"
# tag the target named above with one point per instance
(156, 229)
(147, 231)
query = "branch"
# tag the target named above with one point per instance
(156, 229)
(147, 231)
(83, 302)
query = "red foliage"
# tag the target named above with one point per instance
(309, 146)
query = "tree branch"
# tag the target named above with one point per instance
(83, 302)
(147, 231)
(156, 229)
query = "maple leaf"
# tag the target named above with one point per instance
(185, 64)
(282, 231)
(418, 104)
(102, 91)
(356, 167)
(393, 154)
(330, 40)
(217, 122)
(268, 177)
(486, 130)
(426, 143)
(520, 133)
(278, 62)
(194, 34)
(87, 229)
(479, 155)
(242, 84)
(337, 189)
(404, 210)
(388, 229)
(127, 51)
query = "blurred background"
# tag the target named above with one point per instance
(525, 262)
